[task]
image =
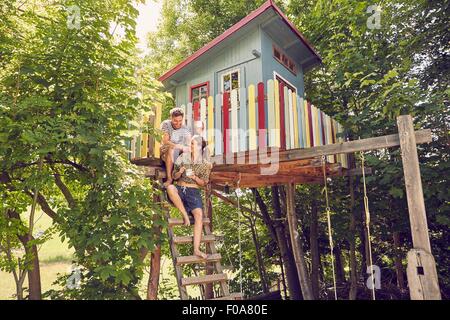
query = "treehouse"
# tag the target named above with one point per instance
(246, 90)
(246, 86)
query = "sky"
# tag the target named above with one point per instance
(148, 20)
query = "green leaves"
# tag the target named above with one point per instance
(396, 192)
(67, 96)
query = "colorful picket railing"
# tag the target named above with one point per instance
(145, 145)
(260, 111)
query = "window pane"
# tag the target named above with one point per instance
(226, 83)
(204, 91)
(277, 54)
(195, 92)
(235, 80)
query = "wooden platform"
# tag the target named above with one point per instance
(247, 170)
(301, 165)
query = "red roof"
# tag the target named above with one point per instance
(267, 5)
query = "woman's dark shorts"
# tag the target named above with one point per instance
(191, 198)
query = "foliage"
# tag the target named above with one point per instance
(369, 76)
(67, 98)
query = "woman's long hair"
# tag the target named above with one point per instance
(204, 150)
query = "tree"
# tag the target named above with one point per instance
(68, 98)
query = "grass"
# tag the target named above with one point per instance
(56, 258)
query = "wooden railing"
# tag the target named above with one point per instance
(266, 115)
(145, 145)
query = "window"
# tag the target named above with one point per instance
(199, 92)
(285, 82)
(284, 60)
(231, 80)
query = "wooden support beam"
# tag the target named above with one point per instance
(256, 168)
(257, 181)
(296, 242)
(422, 275)
(393, 140)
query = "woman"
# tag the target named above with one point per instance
(191, 171)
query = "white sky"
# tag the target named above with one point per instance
(147, 21)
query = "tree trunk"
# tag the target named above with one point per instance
(286, 254)
(340, 272)
(153, 280)
(297, 244)
(283, 278)
(276, 230)
(315, 254)
(399, 271)
(352, 230)
(34, 273)
(259, 259)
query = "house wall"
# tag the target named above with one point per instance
(236, 56)
(253, 70)
(270, 64)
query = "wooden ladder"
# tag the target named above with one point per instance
(213, 259)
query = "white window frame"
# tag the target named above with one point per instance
(229, 73)
(239, 83)
(276, 74)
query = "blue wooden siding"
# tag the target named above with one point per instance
(237, 56)
(269, 65)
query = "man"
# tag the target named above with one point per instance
(176, 139)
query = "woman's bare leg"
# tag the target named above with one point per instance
(175, 197)
(198, 216)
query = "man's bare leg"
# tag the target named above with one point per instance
(169, 166)
(198, 216)
(175, 197)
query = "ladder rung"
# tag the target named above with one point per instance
(190, 239)
(204, 279)
(232, 296)
(196, 259)
(180, 222)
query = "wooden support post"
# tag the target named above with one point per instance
(422, 275)
(209, 289)
(155, 262)
(155, 270)
(296, 242)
